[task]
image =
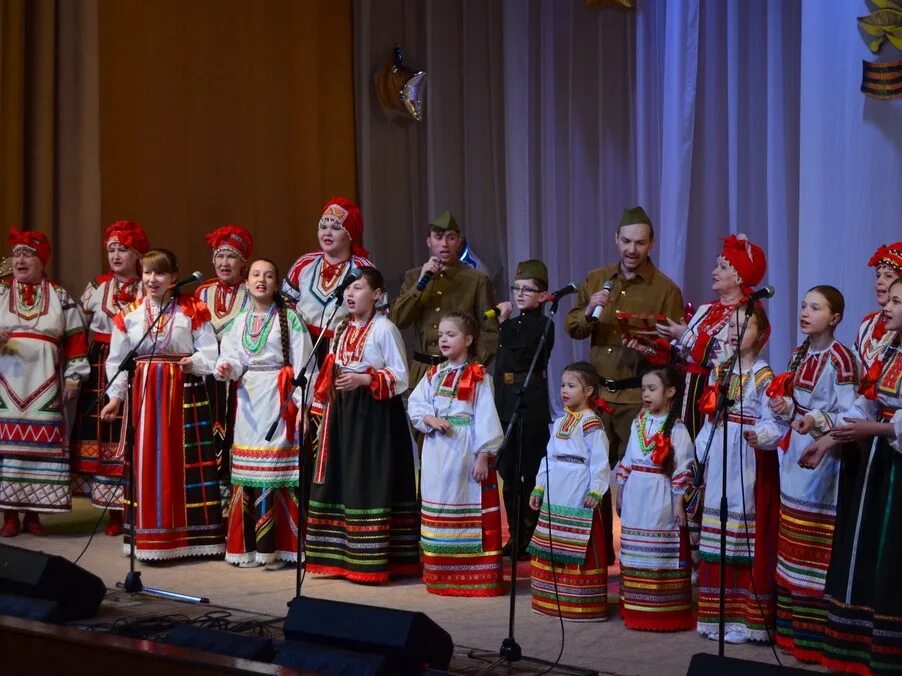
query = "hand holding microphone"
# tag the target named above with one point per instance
(599, 299)
(430, 269)
(502, 312)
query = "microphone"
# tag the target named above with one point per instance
(492, 313)
(350, 278)
(572, 287)
(423, 281)
(761, 294)
(596, 313)
(194, 277)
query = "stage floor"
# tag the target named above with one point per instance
(479, 623)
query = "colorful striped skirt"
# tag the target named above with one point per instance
(364, 519)
(577, 592)
(177, 510)
(462, 545)
(262, 525)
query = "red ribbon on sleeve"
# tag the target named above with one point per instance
(290, 413)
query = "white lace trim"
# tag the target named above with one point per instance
(180, 553)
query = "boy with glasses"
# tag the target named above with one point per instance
(518, 341)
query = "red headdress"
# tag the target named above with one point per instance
(34, 241)
(347, 215)
(747, 260)
(232, 237)
(129, 234)
(890, 255)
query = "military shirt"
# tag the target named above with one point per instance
(649, 292)
(517, 343)
(457, 287)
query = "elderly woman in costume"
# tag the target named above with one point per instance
(42, 363)
(226, 296)
(97, 446)
(873, 336)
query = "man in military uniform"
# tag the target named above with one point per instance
(634, 285)
(441, 285)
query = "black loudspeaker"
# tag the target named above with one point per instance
(24, 572)
(30, 609)
(330, 660)
(703, 664)
(409, 641)
(257, 648)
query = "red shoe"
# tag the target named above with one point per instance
(32, 524)
(11, 525)
(115, 526)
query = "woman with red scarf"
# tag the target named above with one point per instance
(42, 363)
(873, 336)
(97, 446)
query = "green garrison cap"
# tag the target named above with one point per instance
(532, 269)
(445, 222)
(634, 216)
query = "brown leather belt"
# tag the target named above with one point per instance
(622, 384)
(509, 378)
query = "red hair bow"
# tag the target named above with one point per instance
(600, 404)
(707, 403)
(663, 449)
(781, 385)
(472, 375)
(868, 387)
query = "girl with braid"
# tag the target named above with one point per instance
(655, 565)
(262, 350)
(569, 563)
(753, 491)
(811, 400)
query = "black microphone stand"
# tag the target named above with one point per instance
(510, 650)
(721, 415)
(133, 583)
(300, 380)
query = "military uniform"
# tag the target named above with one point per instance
(518, 340)
(457, 287)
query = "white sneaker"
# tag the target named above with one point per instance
(736, 636)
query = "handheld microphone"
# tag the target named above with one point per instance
(423, 281)
(596, 313)
(350, 278)
(492, 313)
(761, 294)
(190, 279)
(572, 287)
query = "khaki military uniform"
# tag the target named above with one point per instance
(458, 287)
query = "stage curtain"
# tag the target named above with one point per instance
(718, 117)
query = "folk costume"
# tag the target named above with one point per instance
(655, 568)
(823, 385)
(178, 509)
(46, 347)
(518, 341)
(225, 302)
(461, 531)
(753, 504)
(873, 337)
(569, 563)
(457, 287)
(264, 352)
(864, 615)
(364, 519)
(98, 445)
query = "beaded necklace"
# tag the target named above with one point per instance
(256, 330)
(30, 302)
(224, 299)
(646, 441)
(164, 327)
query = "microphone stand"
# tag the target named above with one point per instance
(300, 380)
(721, 415)
(133, 582)
(510, 650)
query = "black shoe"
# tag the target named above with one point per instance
(506, 550)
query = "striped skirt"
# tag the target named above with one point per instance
(655, 580)
(578, 592)
(363, 522)
(462, 546)
(803, 557)
(262, 525)
(177, 511)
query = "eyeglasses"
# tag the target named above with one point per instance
(523, 290)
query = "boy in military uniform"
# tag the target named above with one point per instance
(518, 341)
(441, 285)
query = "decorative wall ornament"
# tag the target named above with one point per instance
(401, 89)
